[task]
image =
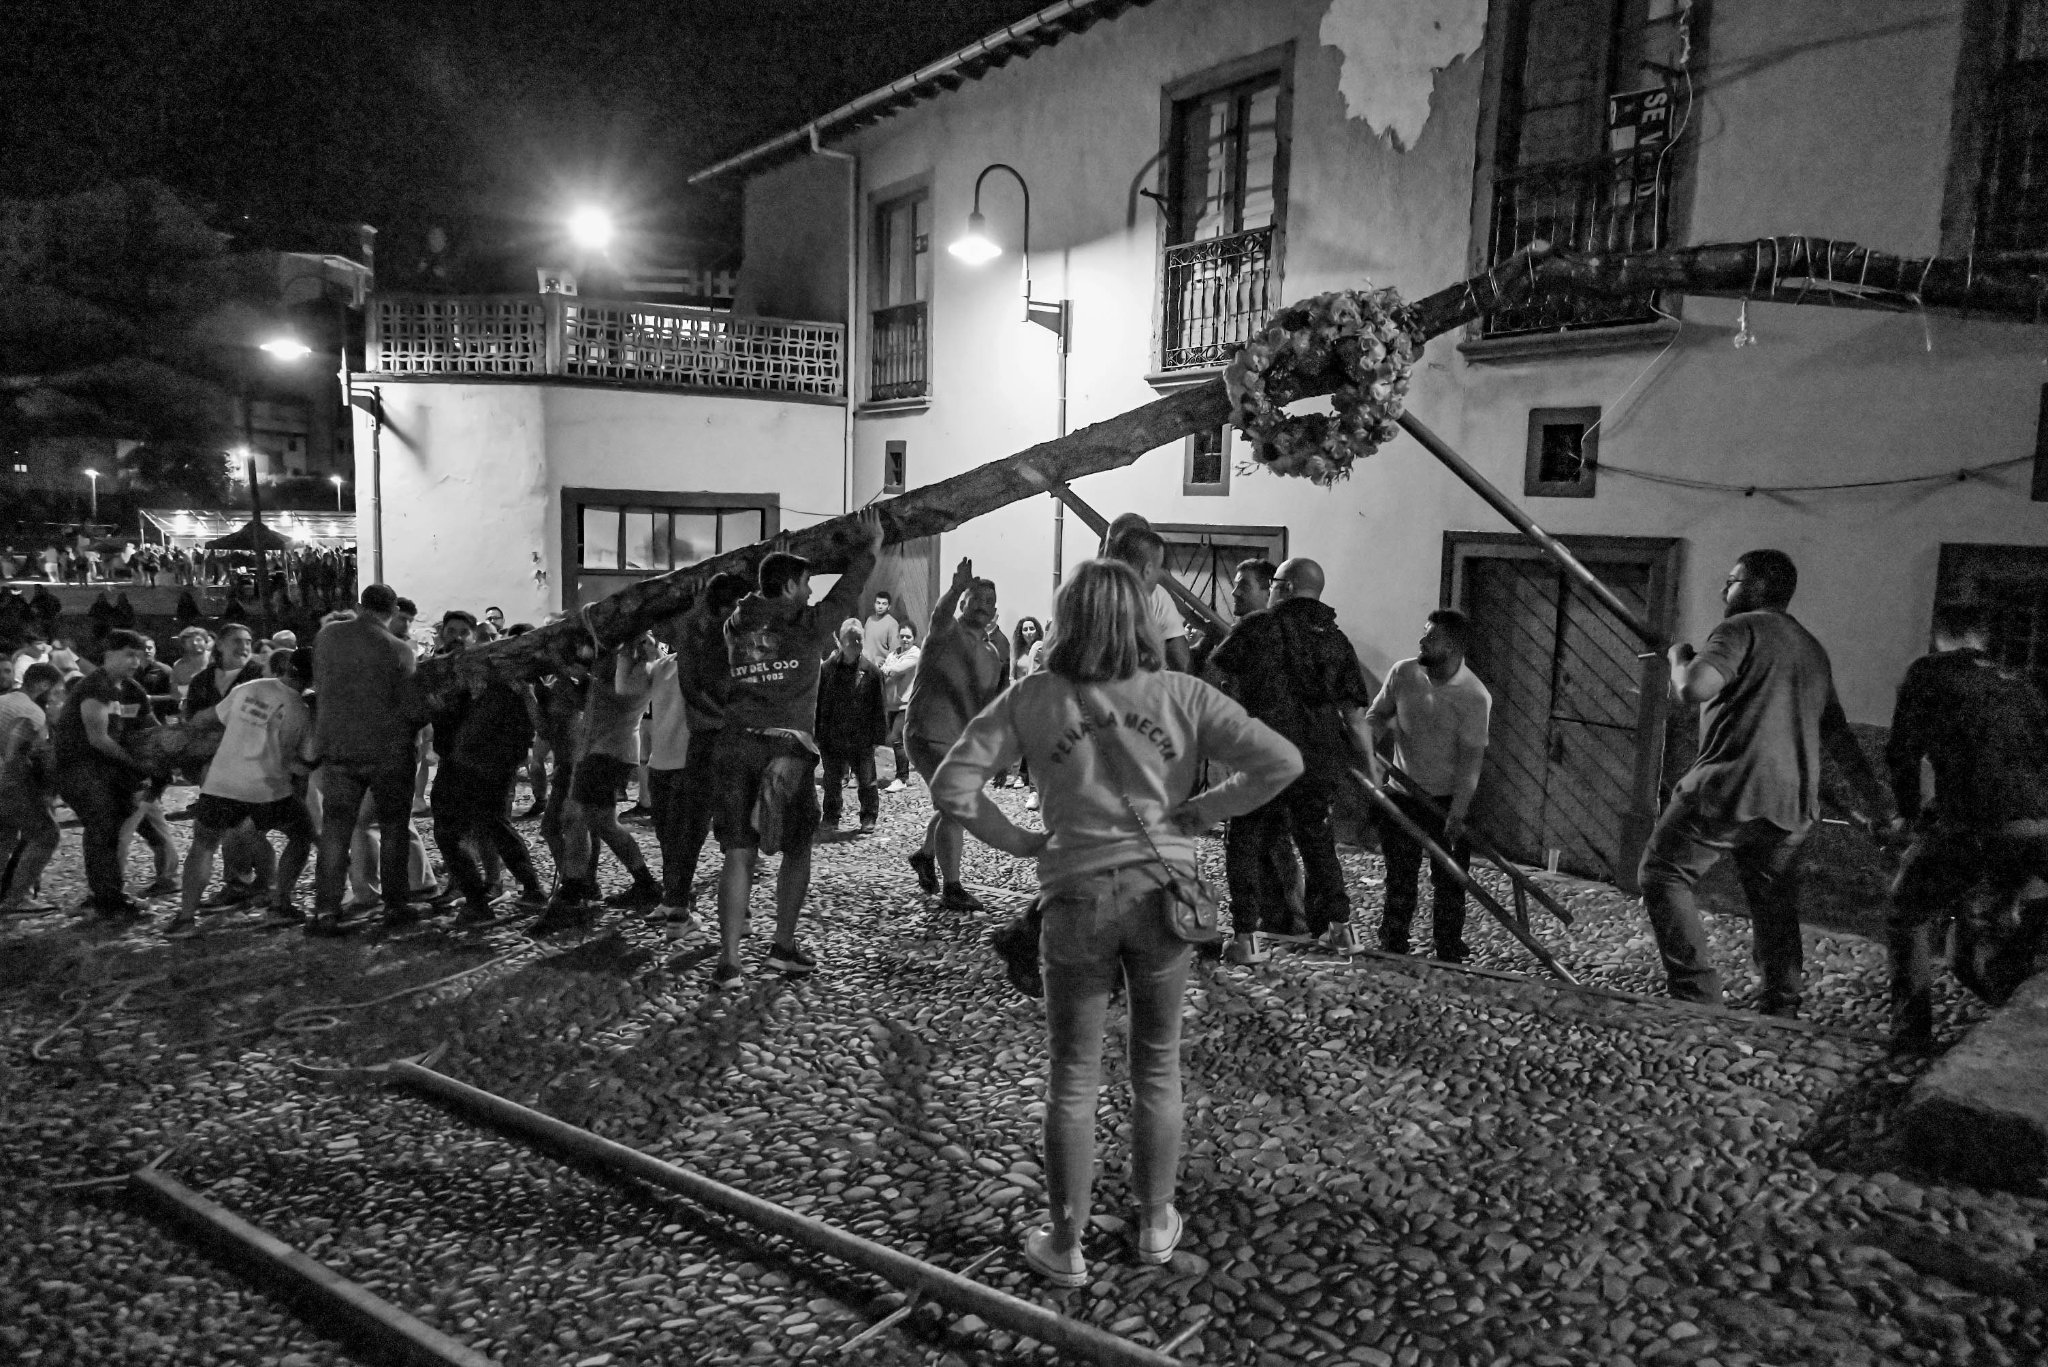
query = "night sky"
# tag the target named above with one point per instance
(284, 118)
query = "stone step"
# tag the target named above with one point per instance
(1980, 1114)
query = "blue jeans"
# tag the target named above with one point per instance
(1107, 925)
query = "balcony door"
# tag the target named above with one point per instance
(899, 323)
(1225, 200)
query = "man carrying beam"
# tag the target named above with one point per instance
(766, 760)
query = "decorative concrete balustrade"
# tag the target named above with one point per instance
(605, 340)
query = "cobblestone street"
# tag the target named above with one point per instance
(1389, 1162)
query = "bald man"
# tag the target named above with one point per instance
(1294, 669)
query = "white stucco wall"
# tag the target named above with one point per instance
(473, 474)
(1808, 119)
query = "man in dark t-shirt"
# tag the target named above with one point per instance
(97, 773)
(1768, 709)
(1294, 669)
(1983, 729)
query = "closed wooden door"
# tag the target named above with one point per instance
(1576, 737)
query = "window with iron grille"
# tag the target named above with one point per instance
(899, 336)
(1588, 114)
(2011, 584)
(1225, 203)
(2012, 204)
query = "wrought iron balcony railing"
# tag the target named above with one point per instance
(1617, 203)
(899, 366)
(1218, 295)
(661, 345)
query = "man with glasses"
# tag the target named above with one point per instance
(1768, 708)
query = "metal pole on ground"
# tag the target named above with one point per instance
(388, 1332)
(947, 1288)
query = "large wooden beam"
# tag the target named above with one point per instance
(926, 511)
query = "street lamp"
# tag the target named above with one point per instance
(590, 227)
(287, 349)
(94, 476)
(976, 248)
(337, 482)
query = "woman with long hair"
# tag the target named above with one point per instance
(1116, 743)
(1024, 654)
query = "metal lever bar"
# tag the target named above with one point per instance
(1480, 844)
(1379, 799)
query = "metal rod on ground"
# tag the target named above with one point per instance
(379, 1326)
(908, 1308)
(1485, 847)
(1523, 523)
(1379, 799)
(950, 1289)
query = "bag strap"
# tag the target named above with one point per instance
(1116, 781)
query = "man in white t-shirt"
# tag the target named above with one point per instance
(1132, 540)
(1438, 712)
(257, 775)
(668, 747)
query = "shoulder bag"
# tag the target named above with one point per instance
(1191, 909)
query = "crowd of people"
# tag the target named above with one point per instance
(309, 576)
(1132, 747)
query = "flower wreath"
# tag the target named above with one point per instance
(1364, 341)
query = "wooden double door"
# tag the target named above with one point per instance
(1575, 754)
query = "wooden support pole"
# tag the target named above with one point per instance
(947, 1288)
(1526, 525)
(378, 1327)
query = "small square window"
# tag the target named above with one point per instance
(895, 467)
(1564, 452)
(1206, 467)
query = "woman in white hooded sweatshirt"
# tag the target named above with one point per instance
(1112, 739)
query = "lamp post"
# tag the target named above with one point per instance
(94, 476)
(336, 481)
(976, 247)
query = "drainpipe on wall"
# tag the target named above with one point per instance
(852, 297)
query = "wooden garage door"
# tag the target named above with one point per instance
(1576, 737)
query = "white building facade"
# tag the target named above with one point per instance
(1192, 164)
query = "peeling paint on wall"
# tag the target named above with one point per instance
(1392, 52)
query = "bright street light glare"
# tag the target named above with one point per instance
(287, 348)
(976, 246)
(335, 480)
(90, 474)
(591, 228)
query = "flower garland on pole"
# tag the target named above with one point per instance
(1368, 339)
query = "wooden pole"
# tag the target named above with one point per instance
(1526, 525)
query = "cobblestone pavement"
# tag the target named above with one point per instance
(1389, 1162)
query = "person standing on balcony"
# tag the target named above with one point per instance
(1768, 710)
(964, 668)
(767, 758)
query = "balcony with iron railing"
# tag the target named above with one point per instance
(1609, 203)
(607, 341)
(1217, 295)
(899, 364)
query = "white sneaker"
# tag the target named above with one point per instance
(1031, 803)
(1156, 1246)
(895, 786)
(1246, 949)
